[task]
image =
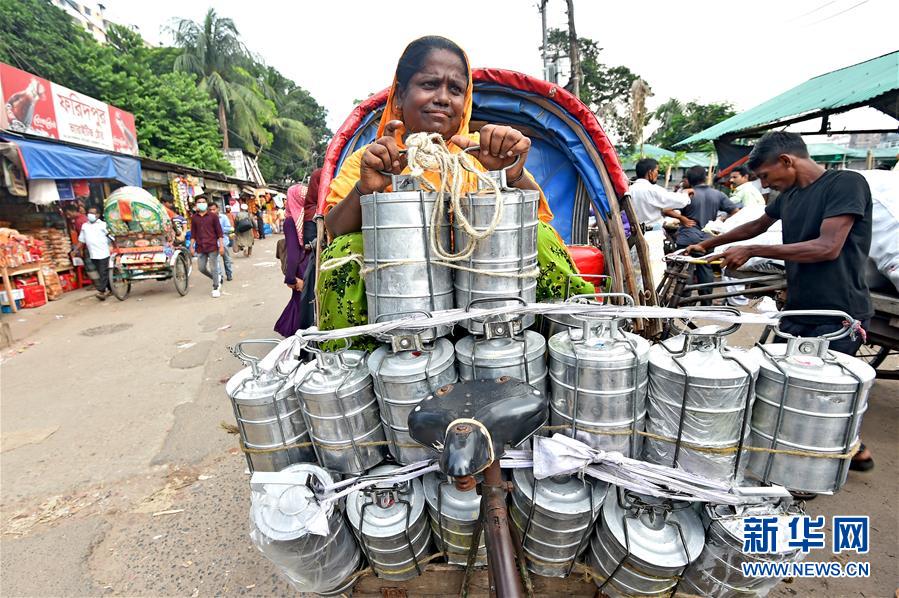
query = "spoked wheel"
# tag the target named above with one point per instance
(119, 283)
(873, 355)
(181, 274)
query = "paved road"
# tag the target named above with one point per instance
(117, 477)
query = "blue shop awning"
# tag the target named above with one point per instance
(50, 160)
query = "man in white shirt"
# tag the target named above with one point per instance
(745, 192)
(95, 237)
(649, 200)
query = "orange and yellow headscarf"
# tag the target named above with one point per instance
(342, 184)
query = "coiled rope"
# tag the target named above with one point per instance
(428, 152)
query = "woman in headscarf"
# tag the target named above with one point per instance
(431, 93)
(299, 237)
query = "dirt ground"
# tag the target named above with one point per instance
(117, 477)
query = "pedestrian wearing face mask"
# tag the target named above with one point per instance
(95, 237)
(207, 241)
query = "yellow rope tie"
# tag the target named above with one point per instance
(231, 429)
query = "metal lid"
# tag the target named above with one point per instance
(282, 511)
(601, 345)
(345, 370)
(410, 366)
(704, 361)
(651, 536)
(454, 504)
(246, 388)
(486, 197)
(729, 519)
(813, 368)
(386, 516)
(501, 351)
(566, 495)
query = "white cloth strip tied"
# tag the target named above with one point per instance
(563, 455)
(552, 456)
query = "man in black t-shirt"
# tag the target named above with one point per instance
(826, 217)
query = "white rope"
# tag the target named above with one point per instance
(429, 152)
(334, 263)
(450, 317)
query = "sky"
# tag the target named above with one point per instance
(343, 50)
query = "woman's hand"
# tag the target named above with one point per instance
(384, 155)
(500, 145)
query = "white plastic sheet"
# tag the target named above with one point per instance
(885, 222)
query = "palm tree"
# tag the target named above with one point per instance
(214, 53)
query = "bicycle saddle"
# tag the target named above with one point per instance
(470, 423)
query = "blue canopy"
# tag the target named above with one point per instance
(558, 158)
(51, 160)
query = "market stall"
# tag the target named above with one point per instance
(46, 189)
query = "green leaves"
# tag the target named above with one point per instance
(259, 110)
(677, 121)
(176, 93)
(175, 120)
(605, 89)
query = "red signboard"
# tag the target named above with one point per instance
(39, 107)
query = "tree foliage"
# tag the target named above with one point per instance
(175, 121)
(605, 89)
(259, 110)
(678, 120)
(175, 92)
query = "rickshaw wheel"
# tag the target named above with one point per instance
(873, 355)
(119, 284)
(181, 272)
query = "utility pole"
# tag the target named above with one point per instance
(573, 53)
(543, 53)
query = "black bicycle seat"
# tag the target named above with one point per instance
(470, 423)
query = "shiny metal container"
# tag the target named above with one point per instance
(279, 514)
(718, 381)
(400, 274)
(550, 325)
(824, 396)
(340, 408)
(598, 379)
(268, 414)
(391, 525)
(402, 378)
(510, 250)
(521, 356)
(454, 515)
(664, 538)
(718, 570)
(554, 518)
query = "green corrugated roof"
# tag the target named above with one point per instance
(649, 151)
(829, 152)
(697, 159)
(841, 88)
(690, 158)
(654, 151)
